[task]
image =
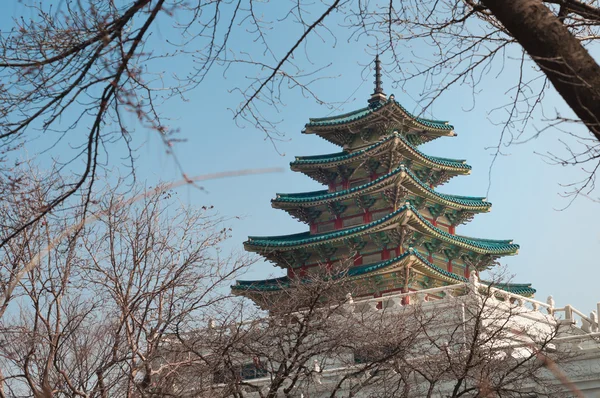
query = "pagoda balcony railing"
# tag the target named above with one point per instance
(564, 315)
(430, 298)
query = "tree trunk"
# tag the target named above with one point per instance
(568, 65)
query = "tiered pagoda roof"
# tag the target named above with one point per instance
(343, 130)
(410, 258)
(381, 212)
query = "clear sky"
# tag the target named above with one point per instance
(558, 248)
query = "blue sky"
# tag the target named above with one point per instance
(558, 248)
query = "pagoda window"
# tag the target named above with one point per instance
(358, 183)
(326, 227)
(380, 214)
(458, 269)
(352, 221)
(425, 213)
(443, 227)
(372, 258)
(440, 261)
(370, 247)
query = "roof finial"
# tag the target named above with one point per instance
(378, 97)
(378, 88)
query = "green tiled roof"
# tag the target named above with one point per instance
(524, 289)
(494, 246)
(442, 271)
(343, 118)
(307, 197)
(341, 156)
(305, 238)
(363, 112)
(284, 282)
(278, 283)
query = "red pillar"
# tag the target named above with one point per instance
(339, 223)
(405, 299)
(452, 229)
(385, 254)
(379, 303)
(367, 217)
(358, 259)
(449, 265)
(467, 272)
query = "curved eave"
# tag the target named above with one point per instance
(308, 163)
(484, 246)
(405, 213)
(399, 175)
(261, 244)
(324, 126)
(391, 103)
(410, 257)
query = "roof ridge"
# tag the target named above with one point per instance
(363, 112)
(325, 194)
(369, 268)
(285, 240)
(344, 155)
(366, 108)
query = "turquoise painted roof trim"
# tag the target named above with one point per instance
(343, 118)
(304, 238)
(363, 112)
(306, 197)
(517, 288)
(276, 284)
(495, 246)
(307, 237)
(436, 268)
(341, 156)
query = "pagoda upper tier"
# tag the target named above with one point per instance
(361, 127)
(376, 198)
(381, 211)
(377, 159)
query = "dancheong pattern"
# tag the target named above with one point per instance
(381, 212)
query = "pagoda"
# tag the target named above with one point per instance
(381, 212)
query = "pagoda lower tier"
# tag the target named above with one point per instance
(376, 279)
(390, 237)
